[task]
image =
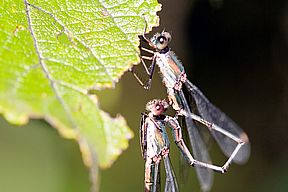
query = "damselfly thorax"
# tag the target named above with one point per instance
(170, 68)
(157, 139)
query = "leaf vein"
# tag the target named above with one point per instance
(45, 70)
(68, 33)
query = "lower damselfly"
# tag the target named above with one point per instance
(155, 145)
(188, 101)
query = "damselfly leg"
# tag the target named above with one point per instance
(148, 70)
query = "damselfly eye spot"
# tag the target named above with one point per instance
(161, 42)
(158, 107)
(162, 39)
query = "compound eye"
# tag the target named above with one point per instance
(158, 107)
(161, 39)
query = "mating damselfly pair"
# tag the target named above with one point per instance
(188, 102)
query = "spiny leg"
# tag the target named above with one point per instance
(145, 38)
(147, 50)
(146, 69)
(149, 73)
(137, 77)
(177, 134)
(147, 58)
(240, 141)
(148, 86)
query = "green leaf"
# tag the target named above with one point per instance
(53, 52)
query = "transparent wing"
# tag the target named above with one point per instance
(199, 149)
(183, 165)
(171, 183)
(156, 183)
(212, 114)
(152, 177)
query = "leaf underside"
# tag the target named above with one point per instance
(52, 52)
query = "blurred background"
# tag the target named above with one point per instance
(235, 51)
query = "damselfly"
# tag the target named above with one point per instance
(229, 138)
(155, 143)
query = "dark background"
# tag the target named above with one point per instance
(235, 51)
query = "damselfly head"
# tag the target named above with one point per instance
(161, 40)
(157, 106)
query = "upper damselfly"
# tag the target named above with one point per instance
(232, 140)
